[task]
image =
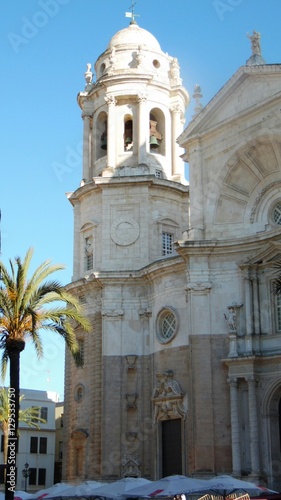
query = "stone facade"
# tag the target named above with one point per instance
(182, 368)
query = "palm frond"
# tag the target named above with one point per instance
(26, 306)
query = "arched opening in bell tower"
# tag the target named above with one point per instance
(128, 133)
(156, 131)
(101, 135)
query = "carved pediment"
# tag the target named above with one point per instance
(266, 256)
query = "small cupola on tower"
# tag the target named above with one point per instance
(134, 110)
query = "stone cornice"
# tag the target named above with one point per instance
(235, 245)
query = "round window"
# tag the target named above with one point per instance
(156, 64)
(276, 214)
(167, 325)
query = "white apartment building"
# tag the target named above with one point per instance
(36, 446)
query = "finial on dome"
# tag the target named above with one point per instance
(88, 74)
(197, 95)
(132, 14)
(256, 57)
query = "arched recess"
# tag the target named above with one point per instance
(87, 245)
(157, 131)
(101, 135)
(78, 439)
(271, 409)
(245, 178)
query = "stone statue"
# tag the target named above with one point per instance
(230, 319)
(255, 40)
(256, 58)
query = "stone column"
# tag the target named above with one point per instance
(143, 128)
(111, 131)
(248, 314)
(176, 130)
(86, 145)
(253, 424)
(235, 435)
(256, 305)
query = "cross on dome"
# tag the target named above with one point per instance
(132, 13)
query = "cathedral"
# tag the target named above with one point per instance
(182, 368)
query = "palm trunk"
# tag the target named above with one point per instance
(5, 429)
(14, 349)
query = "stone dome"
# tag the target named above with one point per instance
(134, 35)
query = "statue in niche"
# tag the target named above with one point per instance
(230, 319)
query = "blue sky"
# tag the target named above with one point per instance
(45, 46)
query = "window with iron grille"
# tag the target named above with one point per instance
(276, 214)
(89, 260)
(167, 243)
(167, 325)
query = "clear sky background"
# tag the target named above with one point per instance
(45, 46)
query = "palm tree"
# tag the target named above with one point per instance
(29, 416)
(28, 306)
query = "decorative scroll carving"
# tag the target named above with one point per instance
(145, 312)
(131, 360)
(199, 286)
(167, 397)
(110, 100)
(131, 436)
(131, 401)
(130, 466)
(113, 313)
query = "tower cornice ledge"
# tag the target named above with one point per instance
(137, 179)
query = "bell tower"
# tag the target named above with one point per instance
(134, 112)
(131, 206)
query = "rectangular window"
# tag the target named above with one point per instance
(89, 260)
(278, 312)
(167, 243)
(44, 413)
(32, 475)
(41, 477)
(33, 444)
(158, 174)
(43, 445)
(2, 443)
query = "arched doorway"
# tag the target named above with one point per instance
(275, 440)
